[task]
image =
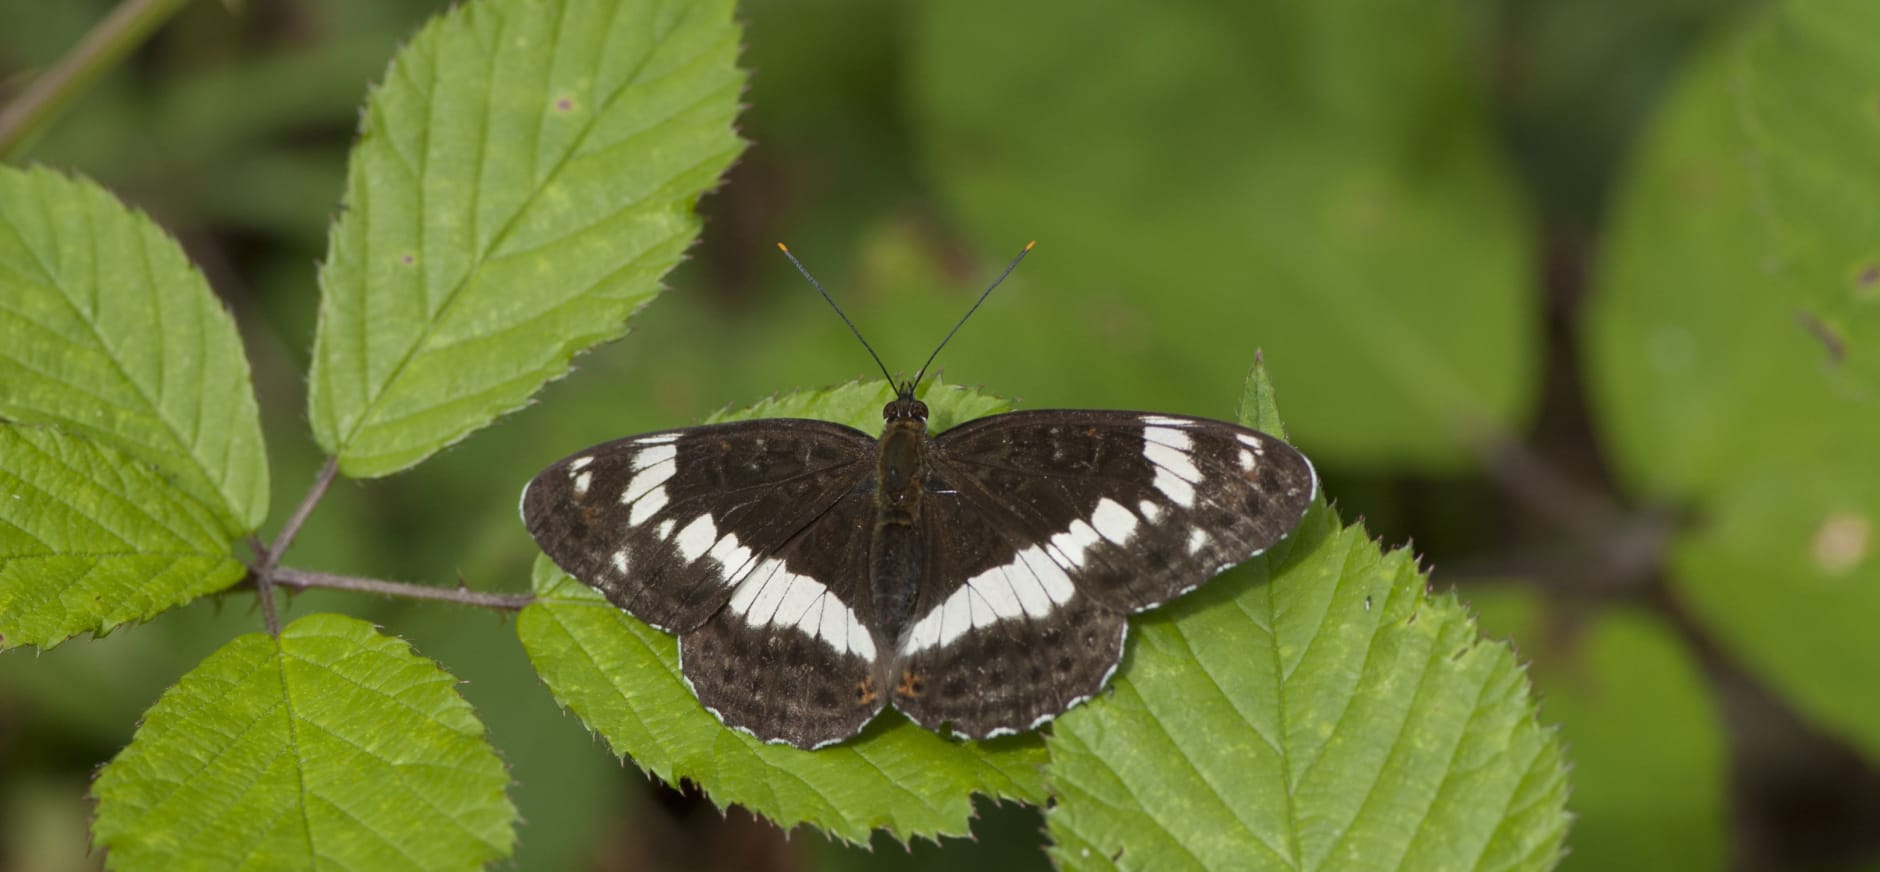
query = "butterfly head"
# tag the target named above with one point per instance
(904, 407)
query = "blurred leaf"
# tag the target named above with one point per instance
(1698, 366)
(525, 176)
(622, 678)
(1786, 573)
(1810, 100)
(108, 331)
(90, 539)
(330, 747)
(232, 127)
(1650, 758)
(244, 103)
(1313, 709)
(1576, 81)
(1691, 357)
(1713, 392)
(1211, 177)
(284, 192)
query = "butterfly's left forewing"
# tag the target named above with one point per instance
(1051, 526)
(1137, 508)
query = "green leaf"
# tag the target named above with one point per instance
(525, 176)
(1258, 406)
(1320, 183)
(107, 330)
(90, 539)
(1714, 394)
(1809, 80)
(1697, 363)
(1650, 758)
(1313, 709)
(330, 747)
(622, 678)
(1785, 571)
(859, 403)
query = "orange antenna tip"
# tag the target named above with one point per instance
(783, 248)
(1028, 245)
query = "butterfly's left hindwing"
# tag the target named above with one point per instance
(665, 524)
(1009, 647)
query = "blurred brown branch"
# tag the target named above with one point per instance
(100, 50)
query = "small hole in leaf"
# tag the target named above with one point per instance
(1842, 542)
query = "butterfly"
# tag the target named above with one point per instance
(978, 580)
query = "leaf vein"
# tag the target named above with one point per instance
(1204, 778)
(293, 742)
(398, 777)
(1396, 743)
(1352, 555)
(479, 258)
(1449, 768)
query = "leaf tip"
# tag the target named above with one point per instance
(1258, 407)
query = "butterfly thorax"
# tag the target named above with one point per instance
(894, 554)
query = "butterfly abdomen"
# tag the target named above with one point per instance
(895, 552)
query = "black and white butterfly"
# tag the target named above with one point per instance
(979, 579)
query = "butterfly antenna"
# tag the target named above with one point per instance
(969, 312)
(843, 315)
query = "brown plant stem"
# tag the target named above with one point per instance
(303, 579)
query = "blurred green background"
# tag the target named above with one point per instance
(1408, 207)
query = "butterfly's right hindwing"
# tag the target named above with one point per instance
(665, 524)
